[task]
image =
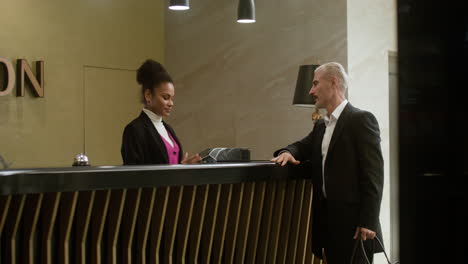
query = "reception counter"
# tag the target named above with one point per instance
(255, 212)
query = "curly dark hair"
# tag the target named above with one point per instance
(150, 75)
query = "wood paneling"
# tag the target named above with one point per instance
(233, 222)
(254, 232)
(286, 222)
(295, 224)
(221, 222)
(129, 220)
(31, 209)
(276, 220)
(145, 213)
(66, 216)
(265, 227)
(12, 223)
(84, 209)
(305, 224)
(184, 223)
(244, 221)
(4, 207)
(49, 215)
(248, 222)
(195, 236)
(98, 220)
(157, 221)
(114, 218)
(209, 222)
(170, 224)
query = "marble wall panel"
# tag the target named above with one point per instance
(235, 82)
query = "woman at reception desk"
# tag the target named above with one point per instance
(148, 139)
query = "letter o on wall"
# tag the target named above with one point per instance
(10, 82)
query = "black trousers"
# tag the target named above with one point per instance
(337, 236)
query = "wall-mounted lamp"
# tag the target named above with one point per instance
(303, 86)
(179, 4)
(246, 11)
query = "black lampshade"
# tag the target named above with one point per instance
(303, 86)
(179, 4)
(246, 11)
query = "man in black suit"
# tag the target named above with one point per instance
(347, 169)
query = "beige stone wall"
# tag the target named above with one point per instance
(235, 82)
(91, 50)
(372, 34)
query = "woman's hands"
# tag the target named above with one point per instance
(191, 160)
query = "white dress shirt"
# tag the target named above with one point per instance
(158, 124)
(330, 123)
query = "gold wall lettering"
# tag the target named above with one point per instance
(24, 71)
(10, 76)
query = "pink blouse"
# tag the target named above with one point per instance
(172, 151)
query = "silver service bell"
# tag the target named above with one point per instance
(81, 160)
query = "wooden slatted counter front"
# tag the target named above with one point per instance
(255, 212)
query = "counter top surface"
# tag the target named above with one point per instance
(35, 180)
(88, 169)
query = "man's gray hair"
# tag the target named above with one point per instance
(334, 69)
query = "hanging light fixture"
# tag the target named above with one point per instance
(303, 85)
(179, 4)
(302, 97)
(246, 11)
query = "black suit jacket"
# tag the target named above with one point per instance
(142, 144)
(353, 169)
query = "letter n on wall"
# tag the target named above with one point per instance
(35, 82)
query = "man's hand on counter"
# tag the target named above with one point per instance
(191, 160)
(284, 158)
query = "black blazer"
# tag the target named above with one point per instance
(353, 169)
(142, 144)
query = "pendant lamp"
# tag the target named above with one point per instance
(246, 11)
(179, 4)
(305, 78)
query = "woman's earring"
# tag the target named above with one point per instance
(148, 102)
